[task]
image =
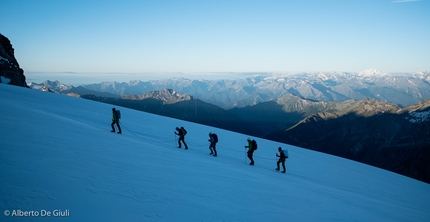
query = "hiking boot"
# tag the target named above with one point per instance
(283, 171)
(112, 131)
(119, 132)
(214, 155)
(252, 164)
(277, 169)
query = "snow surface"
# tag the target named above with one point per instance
(419, 117)
(57, 153)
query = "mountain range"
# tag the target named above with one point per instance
(400, 89)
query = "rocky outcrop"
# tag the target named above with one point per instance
(10, 72)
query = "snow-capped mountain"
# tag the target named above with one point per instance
(72, 166)
(401, 89)
(54, 86)
(372, 73)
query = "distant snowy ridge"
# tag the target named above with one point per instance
(401, 89)
(56, 86)
(372, 73)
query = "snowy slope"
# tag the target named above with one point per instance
(57, 153)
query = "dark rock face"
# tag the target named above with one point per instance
(10, 72)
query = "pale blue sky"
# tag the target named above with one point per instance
(218, 36)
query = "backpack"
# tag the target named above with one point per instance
(215, 138)
(184, 132)
(286, 153)
(118, 114)
(254, 144)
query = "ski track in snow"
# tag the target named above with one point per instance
(57, 152)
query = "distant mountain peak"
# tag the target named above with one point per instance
(168, 96)
(53, 86)
(371, 73)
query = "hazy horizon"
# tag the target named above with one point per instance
(73, 78)
(77, 78)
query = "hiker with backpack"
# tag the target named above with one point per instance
(213, 139)
(252, 146)
(116, 115)
(181, 133)
(282, 157)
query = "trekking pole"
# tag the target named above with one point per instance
(245, 156)
(175, 139)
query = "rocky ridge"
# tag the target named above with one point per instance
(10, 72)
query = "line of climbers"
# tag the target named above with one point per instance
(213, 139)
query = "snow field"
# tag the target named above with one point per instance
(57, 152)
